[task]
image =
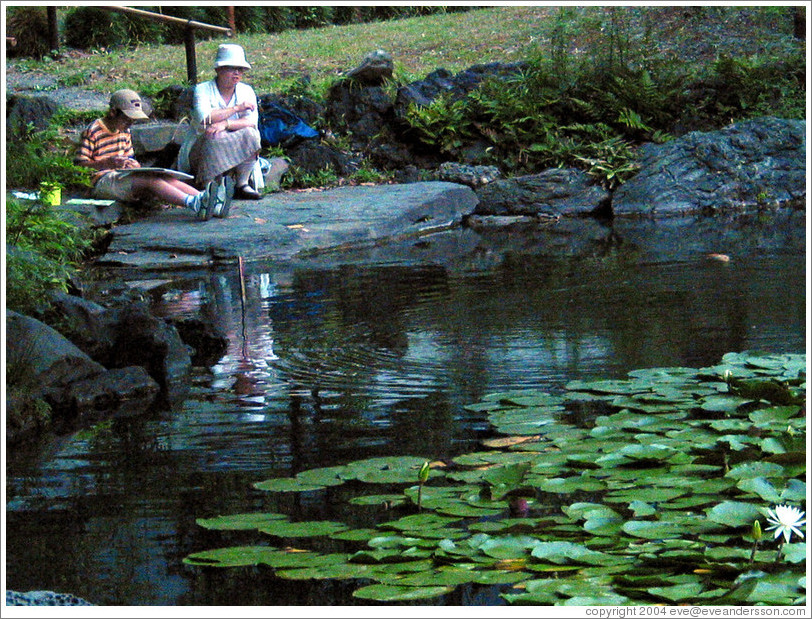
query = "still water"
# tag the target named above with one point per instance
(326, 365)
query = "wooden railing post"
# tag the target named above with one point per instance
(53, 29)
(191, 60)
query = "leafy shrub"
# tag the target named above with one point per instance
(39, 158)
(313, 16)
(176, 33)
(250, 19)
(527, 126)
(754, 86)
(29, 26)
(43, 251)
(88, 27)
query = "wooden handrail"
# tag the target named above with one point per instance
(189, 27)
(168, 19)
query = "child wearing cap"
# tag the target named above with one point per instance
(107, 148)
(225, 140)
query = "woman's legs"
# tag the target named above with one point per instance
(243, 172)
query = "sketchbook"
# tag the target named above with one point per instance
(163, 171)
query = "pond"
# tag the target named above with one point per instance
(329, 364)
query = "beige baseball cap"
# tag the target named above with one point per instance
(128, 102)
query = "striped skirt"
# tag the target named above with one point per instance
(212, 156)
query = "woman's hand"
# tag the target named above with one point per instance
(245, 105)
(217, 127)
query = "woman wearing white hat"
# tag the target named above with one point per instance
(226, 139)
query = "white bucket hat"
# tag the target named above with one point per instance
(230, 55)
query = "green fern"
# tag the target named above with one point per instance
(44, 251)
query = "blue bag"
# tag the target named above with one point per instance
(279, 126)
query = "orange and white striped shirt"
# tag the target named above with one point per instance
(98, 142)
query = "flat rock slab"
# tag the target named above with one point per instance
(283, 226)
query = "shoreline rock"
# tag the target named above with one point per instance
(44, 598)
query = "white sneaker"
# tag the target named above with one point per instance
(208, 200)
(225, 193)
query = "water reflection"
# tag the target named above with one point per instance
(325, 366)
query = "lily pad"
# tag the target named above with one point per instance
(647, 495)
(568, 485)
(606, 386)
(243, 556)
(482, 458)
(328, 476)
(419, 522)
(233, 556)
(643, 453)
(760, 486)
(722, 403)
(750, 470)
(287, 484)
(578, 511)
(794, 553)
(315, 528)
(603, 525)
(395, 593)
(466, 510)
(508, 546)
(652, 529)
(379, 500)
(355, 535)
(240, 522)
(795, 491)
(678, 593)
(435, 578)
(337, 571)
(389, 555)
(774, 415)
(388, 470)
(641, 509)
(569, 552)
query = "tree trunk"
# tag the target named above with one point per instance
(799, 23)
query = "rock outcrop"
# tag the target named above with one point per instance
(103, 362)
(557, 191)
(755, 163)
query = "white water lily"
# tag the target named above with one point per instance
(786, 520)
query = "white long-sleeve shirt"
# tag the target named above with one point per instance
(207, 98)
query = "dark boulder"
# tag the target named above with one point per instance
(125, 333)
(455, 86)
(363, 111)
(374, 70)
(43, 598)
(475, 176)
(142, 339)
(121, 392)
(208, 345)
(751, 164)
(86, 324)
(42, 358)
(27, 113)
(557, 191)
(312, 157)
